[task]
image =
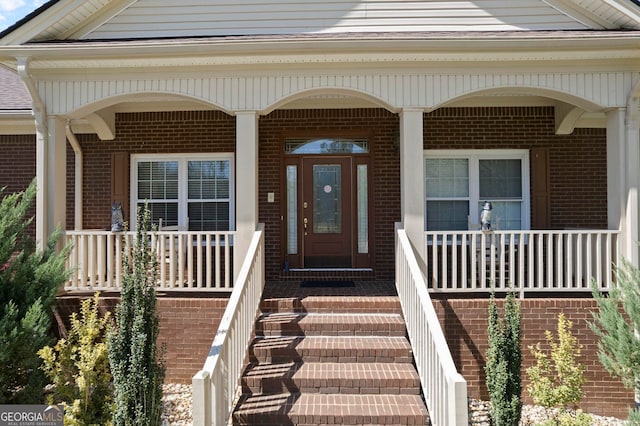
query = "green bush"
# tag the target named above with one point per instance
(504, 358)
(29, 280)
(557, 377)
(617, 324)
(78, 367)
(136, 363)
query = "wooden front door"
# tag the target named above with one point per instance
(326, 216)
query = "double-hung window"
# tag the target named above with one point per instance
(192, 191)
(458, 182)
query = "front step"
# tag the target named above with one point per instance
(324, 409)
(329, 377)
(330, 349)
(320, 360)
(329, 324)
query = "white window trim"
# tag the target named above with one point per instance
(483, 154)
(182, 160)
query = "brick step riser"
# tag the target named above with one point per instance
(299, 306)
(328, 355)
(353, 387)
(294, 329)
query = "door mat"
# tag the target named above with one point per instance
(320, 283)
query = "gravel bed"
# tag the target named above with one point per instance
(176, 410)
(176, 405)
(531, 415)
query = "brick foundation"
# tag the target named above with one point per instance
(465, 327)
(187, 328)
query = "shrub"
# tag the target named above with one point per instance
(619, 344)
(29, 279)
(557, 378)
(78, 367)
(136, 365)
(504, 359)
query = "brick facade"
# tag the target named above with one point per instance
(577, 162)
(577, 169)
(185, 352)
(465, 326)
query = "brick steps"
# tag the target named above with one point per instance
(333, 304)
(319, 360)
(329, 377)
(330, 324)
(308, 409)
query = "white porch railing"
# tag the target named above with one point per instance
(187, 260)
(445, 390)
(215, 386)
(528, 261)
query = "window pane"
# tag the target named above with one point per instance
(292, 210)
(168, 212)
(447, 177)
(447, 215)
(363, 210)
(500, 179)
(209, 216)
(505, 215)
(158, 180)
(208, 208)
(326, 146)
(327, 199)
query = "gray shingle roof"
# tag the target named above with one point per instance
(13, 94)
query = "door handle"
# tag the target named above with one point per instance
(305, 222)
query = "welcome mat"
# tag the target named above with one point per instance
(321, 283)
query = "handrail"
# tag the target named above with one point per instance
(445, 390)
(526, 261)
(215, 386)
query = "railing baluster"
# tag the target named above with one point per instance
(96, 259)
(527, 260)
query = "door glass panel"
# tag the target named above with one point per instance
(292, 209)
(363, 210)
(327, 199)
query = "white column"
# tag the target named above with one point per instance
(246, 184)
(42, 172)
(412, 176)
(51, 177)
(57, 173)
(632, 182)
(623, 178)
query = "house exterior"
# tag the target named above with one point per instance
(334, 124)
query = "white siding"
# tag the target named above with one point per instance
(170, 18)
(427, 91)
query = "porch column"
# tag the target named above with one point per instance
(623, 157)
(51, 176)
(246, 184)
(412, 176)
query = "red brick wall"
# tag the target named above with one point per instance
(465, 326)
(577, 162)
(187, 327)
(137, 133)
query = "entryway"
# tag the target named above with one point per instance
(326, 212)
